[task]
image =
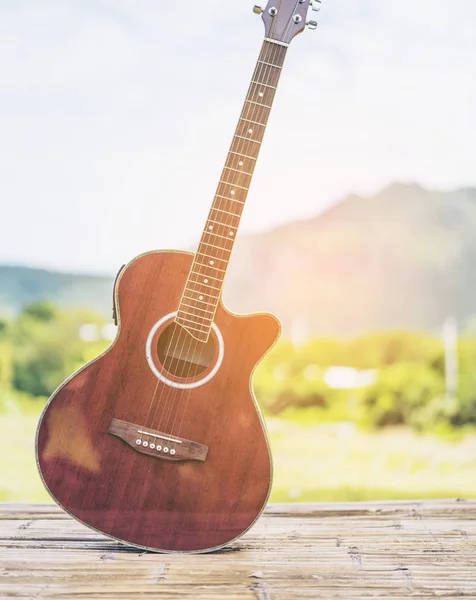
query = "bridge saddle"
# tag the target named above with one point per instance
(156, 443)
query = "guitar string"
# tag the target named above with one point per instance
(252, 112)
(247, 113)
(217, 204)
(252, 115)
(151, 404)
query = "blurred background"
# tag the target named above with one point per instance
(359, 231)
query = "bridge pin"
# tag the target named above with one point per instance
(138, 442)
(159, 448)
(152, 446)
(166, 449)
(172, 451)
(145, 444)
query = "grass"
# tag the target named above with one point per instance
(336, 462)
(312, 462)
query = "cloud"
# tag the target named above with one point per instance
(116, 117)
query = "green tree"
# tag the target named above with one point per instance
(48, 347)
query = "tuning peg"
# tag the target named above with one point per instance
(257, 9)
(316, 5)
(312, 24)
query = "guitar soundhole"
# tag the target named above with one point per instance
(182, 355)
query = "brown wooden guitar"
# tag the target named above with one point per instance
(159, 442)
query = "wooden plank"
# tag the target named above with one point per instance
(361, 550)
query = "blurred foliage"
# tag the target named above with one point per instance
(43, 346)
(408, 387)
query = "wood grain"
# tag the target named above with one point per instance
(153, 503)
(300, 551)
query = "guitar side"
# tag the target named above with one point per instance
(168, 503)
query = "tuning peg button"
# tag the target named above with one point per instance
(257, 9)
(316, 5)
(312, 24)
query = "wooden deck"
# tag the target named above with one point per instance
(368, 550)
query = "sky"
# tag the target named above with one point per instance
(116, 117)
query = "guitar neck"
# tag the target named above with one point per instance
(205, 282)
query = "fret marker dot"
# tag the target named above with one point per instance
(250, 131)
(200, 297)
(232, 192)
(205, 280)
(231, 233)
(211, 228)
(261, 94)
(212, 262)
(241, 163)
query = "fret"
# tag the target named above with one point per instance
(202, 294)
(265, 84)
(267, 76)
(195, 308)
(223, 237)
(188, 326)
(203, 301)
(255, 113)
(230, 199)
(213, 258)
(198, 291)
(212, 266)
(270, 64)
(191, 315)
(206, 277)
(258, 103)
(221, 223)
(230, 237)
(234, 188)
(212, 287)
(248, 127)
(226, 212)
(207, 319)
(234, 185)
(218, 247)
(262, 94)
(254, 122)
(247, 139)
(237, 171)
(239, 154)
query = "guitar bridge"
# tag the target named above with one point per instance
(156, 443)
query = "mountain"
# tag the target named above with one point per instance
(404, 258)
(22, 285)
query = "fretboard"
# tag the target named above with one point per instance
(204, 286)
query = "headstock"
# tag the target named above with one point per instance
(284, 19)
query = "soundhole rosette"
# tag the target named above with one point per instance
(161, 373)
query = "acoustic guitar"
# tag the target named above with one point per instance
(159, 442)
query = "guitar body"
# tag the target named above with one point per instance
(99, 436)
